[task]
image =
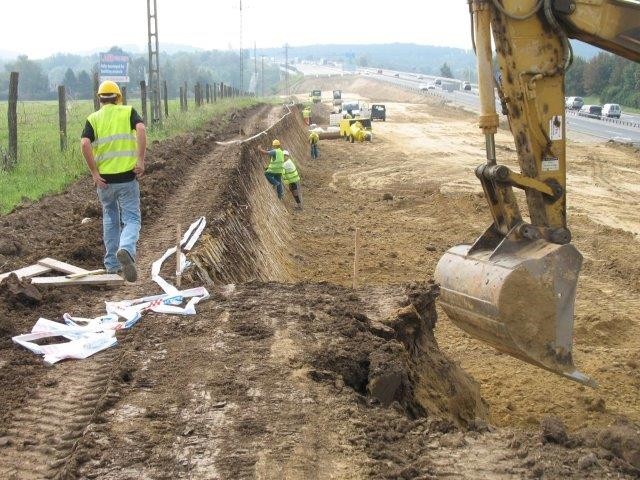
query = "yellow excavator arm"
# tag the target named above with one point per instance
(515, 286)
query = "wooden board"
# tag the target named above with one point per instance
(59, 266)
(27, 272)
(105, 279)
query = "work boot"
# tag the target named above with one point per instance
(128, 265)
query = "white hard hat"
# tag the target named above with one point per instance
(286, 152)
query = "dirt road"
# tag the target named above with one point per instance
(290, 373)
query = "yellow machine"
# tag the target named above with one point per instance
(356, 129)
(515, 286)
(316, 96)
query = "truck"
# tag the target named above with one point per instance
(316, 96)
(378, 112)
(337, 98)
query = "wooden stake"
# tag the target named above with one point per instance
(178, 252)
(356, 241)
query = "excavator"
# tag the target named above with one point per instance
(515, 286)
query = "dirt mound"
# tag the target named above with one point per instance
(368, 88)
(248, 236)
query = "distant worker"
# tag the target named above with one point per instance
(348, 115)
(113, 144)
(306, 115)
(313, 140)
(291, 177)
(275, 169)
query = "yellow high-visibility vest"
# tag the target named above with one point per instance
(114, 147)
(276, 165)
(291, 174)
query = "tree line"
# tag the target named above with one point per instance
(39, 78)
(611, 78)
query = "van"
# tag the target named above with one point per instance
(574, 103)
(611, 110)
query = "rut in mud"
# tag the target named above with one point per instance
(282, 375)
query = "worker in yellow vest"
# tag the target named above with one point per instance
(291, 177)
(113, 145)
(306, 115)
(275, 169)
(314, 138)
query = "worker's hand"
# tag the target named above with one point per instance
(139, 168)
(98, 180)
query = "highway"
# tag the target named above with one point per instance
(595, 128)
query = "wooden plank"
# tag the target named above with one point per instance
(27, 272)
(59, 266)
(106, 279)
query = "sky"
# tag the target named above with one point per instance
(37, 28)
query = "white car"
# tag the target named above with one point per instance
(611, 110)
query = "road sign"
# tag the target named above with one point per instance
(114, 67)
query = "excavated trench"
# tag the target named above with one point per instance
(389, 353)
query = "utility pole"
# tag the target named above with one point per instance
(255, 69)
(286, 68)
(262, 74)
(154, 61)
(241, 62)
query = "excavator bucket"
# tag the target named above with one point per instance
(518, 297)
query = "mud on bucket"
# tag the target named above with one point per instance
(518, 298)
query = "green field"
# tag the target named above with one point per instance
(43, 169)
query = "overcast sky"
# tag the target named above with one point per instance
(39, 28)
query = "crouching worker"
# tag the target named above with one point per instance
(113, 145)
(275, 169)
(291, 177)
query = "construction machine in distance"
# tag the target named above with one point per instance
(316, 96)
(337, 98)
(515, 287)
(356, 129)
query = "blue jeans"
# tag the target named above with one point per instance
(314, 150)
(275, 179)
(121, 220)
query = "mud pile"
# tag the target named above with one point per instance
(249, 235)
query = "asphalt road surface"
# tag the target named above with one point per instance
(595, 128)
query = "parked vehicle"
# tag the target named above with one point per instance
(466, 86)
(397, 75)
(423, 87)
(378, 112)
(574, 103)
(591, 111)
(611, 110)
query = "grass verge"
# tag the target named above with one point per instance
(43, 169)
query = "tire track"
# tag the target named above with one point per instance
(46, 433)
(45, 438)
